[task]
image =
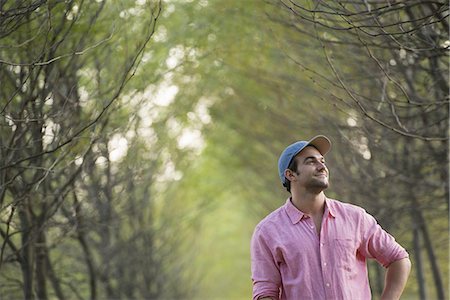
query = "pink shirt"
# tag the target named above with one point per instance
(290, 261)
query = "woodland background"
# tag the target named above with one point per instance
(139, 139)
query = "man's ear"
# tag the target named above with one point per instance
(289, 174)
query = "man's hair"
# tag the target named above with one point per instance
(293, 167)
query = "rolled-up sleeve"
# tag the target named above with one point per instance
(379, 244)
(265, 271)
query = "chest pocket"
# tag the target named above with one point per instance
(345, 256)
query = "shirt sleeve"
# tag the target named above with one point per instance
(265, 271)
(379, 244)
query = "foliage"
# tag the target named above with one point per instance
(139, 139)
(77, 193)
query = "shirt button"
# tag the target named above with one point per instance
(328, 285)
(324, 264)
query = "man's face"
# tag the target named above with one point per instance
(311, 169)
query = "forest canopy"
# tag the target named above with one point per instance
(139, 139)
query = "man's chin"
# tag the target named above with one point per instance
(319, 186)
(324, 186)
(321, 183)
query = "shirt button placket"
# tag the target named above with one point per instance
(325, 270)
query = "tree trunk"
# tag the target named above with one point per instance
(26, 259)
(419, 263)
(432, 258)
(84, 245)
(41, 265)
(53, 278)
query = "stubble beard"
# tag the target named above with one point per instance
(318, 185)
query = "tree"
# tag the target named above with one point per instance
(63, 110)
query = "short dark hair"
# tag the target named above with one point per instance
(293, 167)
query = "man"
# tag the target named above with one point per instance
(315, 247)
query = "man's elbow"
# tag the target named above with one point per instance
(408, 264)
(403, 265)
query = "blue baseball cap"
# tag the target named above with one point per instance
(321, 142)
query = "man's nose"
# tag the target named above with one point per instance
(321, 166)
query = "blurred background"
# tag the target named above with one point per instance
(139, 139)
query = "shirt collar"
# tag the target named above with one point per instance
(329, 205)
(295, 215)
(293, 212)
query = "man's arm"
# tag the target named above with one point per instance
(266, 275)
(396, 277)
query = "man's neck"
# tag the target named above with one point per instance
(309, 203)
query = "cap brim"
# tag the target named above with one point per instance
(322, 143)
